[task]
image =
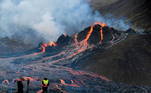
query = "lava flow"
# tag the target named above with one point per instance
(83, 45)
(45, 45)
(92, 29)
(79, 46)
(64, 83)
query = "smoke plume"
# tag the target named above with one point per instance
(32, 20)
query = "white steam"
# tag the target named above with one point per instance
(48, 18)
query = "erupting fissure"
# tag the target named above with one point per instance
(45, 45)
(92, 29)
(83, 43)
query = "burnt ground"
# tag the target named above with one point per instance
(128, 61)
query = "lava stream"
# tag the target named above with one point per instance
(92, 29)
(45, 45)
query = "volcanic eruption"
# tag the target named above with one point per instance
(65, 40)
(45, 45)
(79, 49)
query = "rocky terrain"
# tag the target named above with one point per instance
(84, 63)
(98, 59)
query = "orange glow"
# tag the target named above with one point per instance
(30, 78)
(91, 30)
(83, 45)
(52, 44)
(27, 78)
(101, 31)
(45, 45)
(80, 46)
(74, 72)
(64, 83)
(88, 35)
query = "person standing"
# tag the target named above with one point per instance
(45, 84)
(20, 86)
(28, 82)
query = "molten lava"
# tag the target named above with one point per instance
(66, 84)
(92, 29)
(52, 44)
(27, 78)
(83, 45)
(49, 44)
(80, 46)
(30, 78)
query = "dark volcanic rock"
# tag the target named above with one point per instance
(11, 47)
(95, 36)
(131, 31)
(64, 40)
(82, 34)
(128, 61)
(52, 49)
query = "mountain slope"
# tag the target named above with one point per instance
(137, 11)
(70, 61)
(127, 61)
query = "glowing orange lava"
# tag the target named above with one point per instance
(30, 78)
(73, 84)
(80, 46)
(45, 45)
(83, 45)
(92, 29)
(27, 78)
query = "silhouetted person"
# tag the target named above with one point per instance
(28, 82)
(45, 84)
(20, 86)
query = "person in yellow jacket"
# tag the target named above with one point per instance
(45, 84)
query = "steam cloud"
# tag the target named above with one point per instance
(35, 19)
